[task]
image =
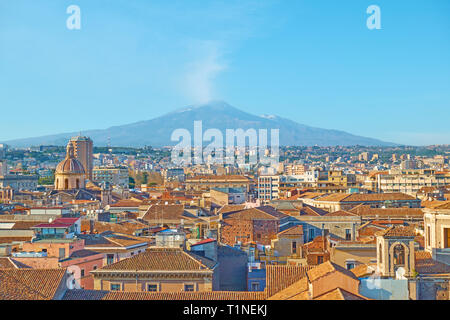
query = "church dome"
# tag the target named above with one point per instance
(70, 164)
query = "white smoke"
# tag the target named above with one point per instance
(201, 73)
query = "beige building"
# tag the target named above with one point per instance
(406, 181)
(115, 176)
(437, 233)
(83, 150)
(205, 183)
(289, 243)
(159, 270)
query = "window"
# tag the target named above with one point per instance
(294, 246)
(82, 272)
(255, 286)
(319, 260)
(62, 252)
(188, 287)
(446, 238)
(95, 268)
(115, 287)
(109, 258)
(311, 234)
(350, 265)
(429, 236)
(348, 234)
(152, 287)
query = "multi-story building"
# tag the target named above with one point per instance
(406, 181)
(83, 149)
(205, 183)
(116, 176)
(172, 174)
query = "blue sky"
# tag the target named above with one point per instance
(312, 61)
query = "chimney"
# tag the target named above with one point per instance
(91, 226)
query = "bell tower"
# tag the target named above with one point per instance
(395, 251)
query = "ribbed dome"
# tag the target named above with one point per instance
(70, 164)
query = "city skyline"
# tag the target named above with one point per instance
(317, 64)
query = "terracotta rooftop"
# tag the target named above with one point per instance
(157, 212)
(426, 265)
(363, 270)
(126, 203)
(30, 284)
(339, 294)
(364, 210)
(340, 213)
(159, 259)
(121, 295)
(263, 212)
(281, 277)
(296, 291)
(325, 269)
(357, 197)
(292, 231)
(10, 263)
(397, 231)
(231, 208)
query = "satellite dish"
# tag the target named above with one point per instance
(400, 274)
(50, 220)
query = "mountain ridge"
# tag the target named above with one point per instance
(217, 114)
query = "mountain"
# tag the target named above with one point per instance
(219, 115)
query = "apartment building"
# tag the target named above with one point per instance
(116, 176)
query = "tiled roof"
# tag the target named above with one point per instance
(364, 210)
(339, 294)
(125, 227)
(126, 203)
(296, 291)
(436, 204)
(14, 239)
(308, 210)
(10, 263)
(363, 270)
(397, 231)
(326, 268)
(281, 277)
(426, 265)
(30, 284)
(158, 259)
(340, 213)
(158, 212)
(264, 212)
(202, 295)
(81, 294)
(231, 208)
(356, 197)
(292, 231)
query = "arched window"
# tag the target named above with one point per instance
(57, 183)
(66, 184)
(399, 255)
(380, 253)
(78, 183)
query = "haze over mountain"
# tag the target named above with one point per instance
(219, 115)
